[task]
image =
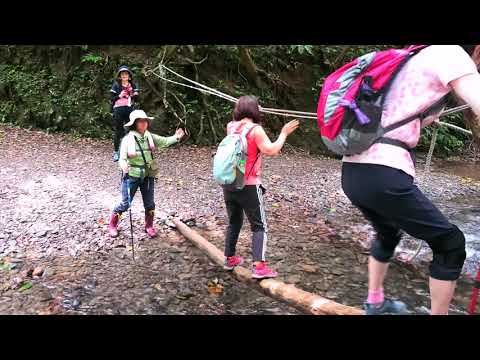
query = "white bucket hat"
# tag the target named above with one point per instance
(137, 114)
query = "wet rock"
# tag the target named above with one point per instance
(170, 224)
(185, 276)
(293, 279)
(15, 265)
(422, 310)
(38, 271)
(337, 272)
(331, 295)
(41, 233)
(309, 268)
(71, 304)
(16, 260)
(16, 283)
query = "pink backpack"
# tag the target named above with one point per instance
(351, 102)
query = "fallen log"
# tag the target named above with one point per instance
(303, 300)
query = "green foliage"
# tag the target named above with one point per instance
(39, 99)
(449, 141)
(92, 58)
(66, 88)
(301, 49)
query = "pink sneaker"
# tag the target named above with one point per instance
(232, 261)
(262, 271)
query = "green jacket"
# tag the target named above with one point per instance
(136, 163)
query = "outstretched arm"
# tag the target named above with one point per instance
(163, 142)
(266, 146)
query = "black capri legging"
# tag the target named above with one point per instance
(120, 117)
(388, 198)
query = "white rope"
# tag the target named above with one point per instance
(201, 85)
(287, 114)
(279, 112)
(191, 87)
(467, 132)
(292, 112)
(208, 90)
(455, 110)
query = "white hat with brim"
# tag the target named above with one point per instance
(137, 114)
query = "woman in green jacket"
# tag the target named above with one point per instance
(139, 168)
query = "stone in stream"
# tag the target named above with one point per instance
(309, 268)
(293, 279)
(38, 271)
(337, 272)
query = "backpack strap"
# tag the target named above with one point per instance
(422, 115)
(143, 156)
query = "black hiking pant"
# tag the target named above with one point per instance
(249, 200)
(388, 198)
(120, 118)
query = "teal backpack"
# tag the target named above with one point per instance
(230, 159)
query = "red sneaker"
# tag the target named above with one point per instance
(232, 261)
(262, 271)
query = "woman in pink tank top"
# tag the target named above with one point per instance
(249, 200)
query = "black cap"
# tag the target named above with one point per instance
(124, 68)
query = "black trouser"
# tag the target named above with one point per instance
(391, 202)
(120, 118)
(250, 201)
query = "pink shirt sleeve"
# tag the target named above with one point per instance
(451, 63)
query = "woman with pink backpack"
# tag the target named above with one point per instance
(379, 180)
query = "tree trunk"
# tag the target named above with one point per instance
(249, 65)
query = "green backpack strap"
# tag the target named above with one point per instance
(144, 167)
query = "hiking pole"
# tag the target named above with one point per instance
(131, 222)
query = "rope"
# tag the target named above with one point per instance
(208, 90)
(280, 112)
(430, 151)
(454, 127)
(455, 110)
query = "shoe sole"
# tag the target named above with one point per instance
(264, 276)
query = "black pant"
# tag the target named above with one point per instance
(250, 201)
(391, 202)
(120, 118)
